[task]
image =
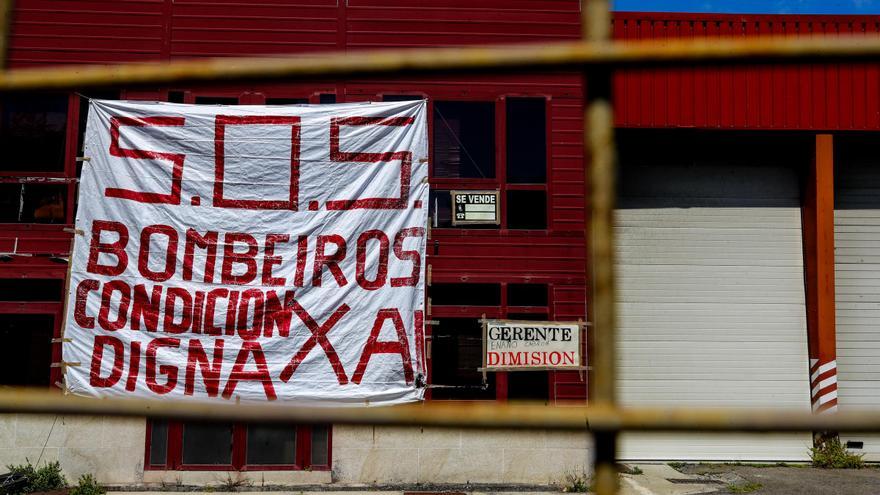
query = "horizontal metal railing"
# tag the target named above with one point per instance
(597, 56)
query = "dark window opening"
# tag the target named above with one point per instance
(221, 446)
(31, 289)
(286, 101)
(526, 140)
(528, 385)
(271, 444)
(176, 96)
(158, 443)
(402, 97)
(216, 100)
(464, 139)
(440, 208)
(465, 294)
(326, 98)
(320, 454)
(33, 203)
(457, 354)
(526, 294)
(33, 132)
(526, 209)
(207, 443)
(27, 349)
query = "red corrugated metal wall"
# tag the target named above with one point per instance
(801, 97)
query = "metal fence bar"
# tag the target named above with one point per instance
(440, 414)
(600, 149)
(574, 56)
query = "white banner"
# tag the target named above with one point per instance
(250, 253)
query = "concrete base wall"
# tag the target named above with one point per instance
(113, 450)
(427, 455)
(110, 448)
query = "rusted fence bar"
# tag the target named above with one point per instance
(575, 55)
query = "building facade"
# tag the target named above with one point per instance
(745, 232)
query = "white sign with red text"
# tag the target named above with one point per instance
(532, 345)
(251, 253)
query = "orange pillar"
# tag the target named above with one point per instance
(818, 223)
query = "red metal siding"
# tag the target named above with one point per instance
(799, 97)
(45, 32)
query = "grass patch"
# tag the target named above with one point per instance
(576, 482)
(747, 487)
(676, 465)
(831, 454)
(39, 479)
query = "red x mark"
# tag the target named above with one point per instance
(319, 336)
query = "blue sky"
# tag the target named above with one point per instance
(752, 6)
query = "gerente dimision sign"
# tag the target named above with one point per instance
(527, 345)
(250, 253)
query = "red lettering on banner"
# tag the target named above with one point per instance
(146, 309)
(171, 297)
(133, 366)
(121, 310)
(250, 332)
(411, 255)
(116, 248)
(230, 312)
(207, 242)
(79, 308)
(381, 269)
(165, 369)
(196, 358)
(405, 158)
(210, 305)
(274, 315)
(176, 160)
(230, 258)
(319, 336)
(373, 346)
(220, 123)
(261, 374)
(270, 260)
(331, 261)
(197, 311)
(102, 342)
(302, 251)
(420, 340)
(170, 252)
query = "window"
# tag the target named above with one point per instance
(31, 289)
(287, 101)
(33, 132)
(178, 445)
(464, 139)
(464, 158)
(526, 209)
(27, 349)
(457, 340)
(526, 140)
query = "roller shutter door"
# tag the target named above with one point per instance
(711, 302)
(857, 293)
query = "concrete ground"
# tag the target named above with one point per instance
(722, 479)
(657, 479)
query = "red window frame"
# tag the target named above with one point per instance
(174, 454)
(497, 312)
(498, 182)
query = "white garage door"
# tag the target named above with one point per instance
(857, 294)
(711, 302)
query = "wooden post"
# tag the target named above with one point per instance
(818, 222)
